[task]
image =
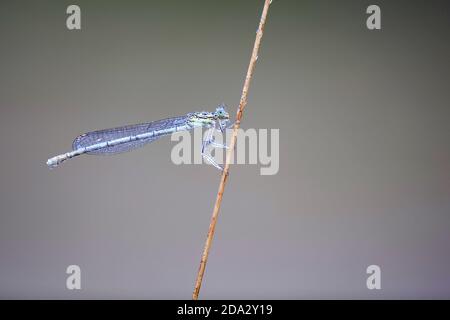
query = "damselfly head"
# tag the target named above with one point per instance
(221, 113)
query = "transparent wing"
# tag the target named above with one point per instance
(94, 137)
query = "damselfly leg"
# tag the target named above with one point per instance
(223, 125)
(210, 141)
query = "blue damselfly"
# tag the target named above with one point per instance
(126, 138)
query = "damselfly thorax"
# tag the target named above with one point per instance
(208, 119)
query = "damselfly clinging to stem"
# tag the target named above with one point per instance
(126, 138)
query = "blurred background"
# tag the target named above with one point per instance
(364, 150)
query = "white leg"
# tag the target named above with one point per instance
(209, 140)
(218, 145)
(209, 159)
(225, 125)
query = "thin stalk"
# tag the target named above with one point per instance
(223, 180)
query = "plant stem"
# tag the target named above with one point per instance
(223, 180)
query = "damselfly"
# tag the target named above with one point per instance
(126, 138)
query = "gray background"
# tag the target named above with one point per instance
(364, 150)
